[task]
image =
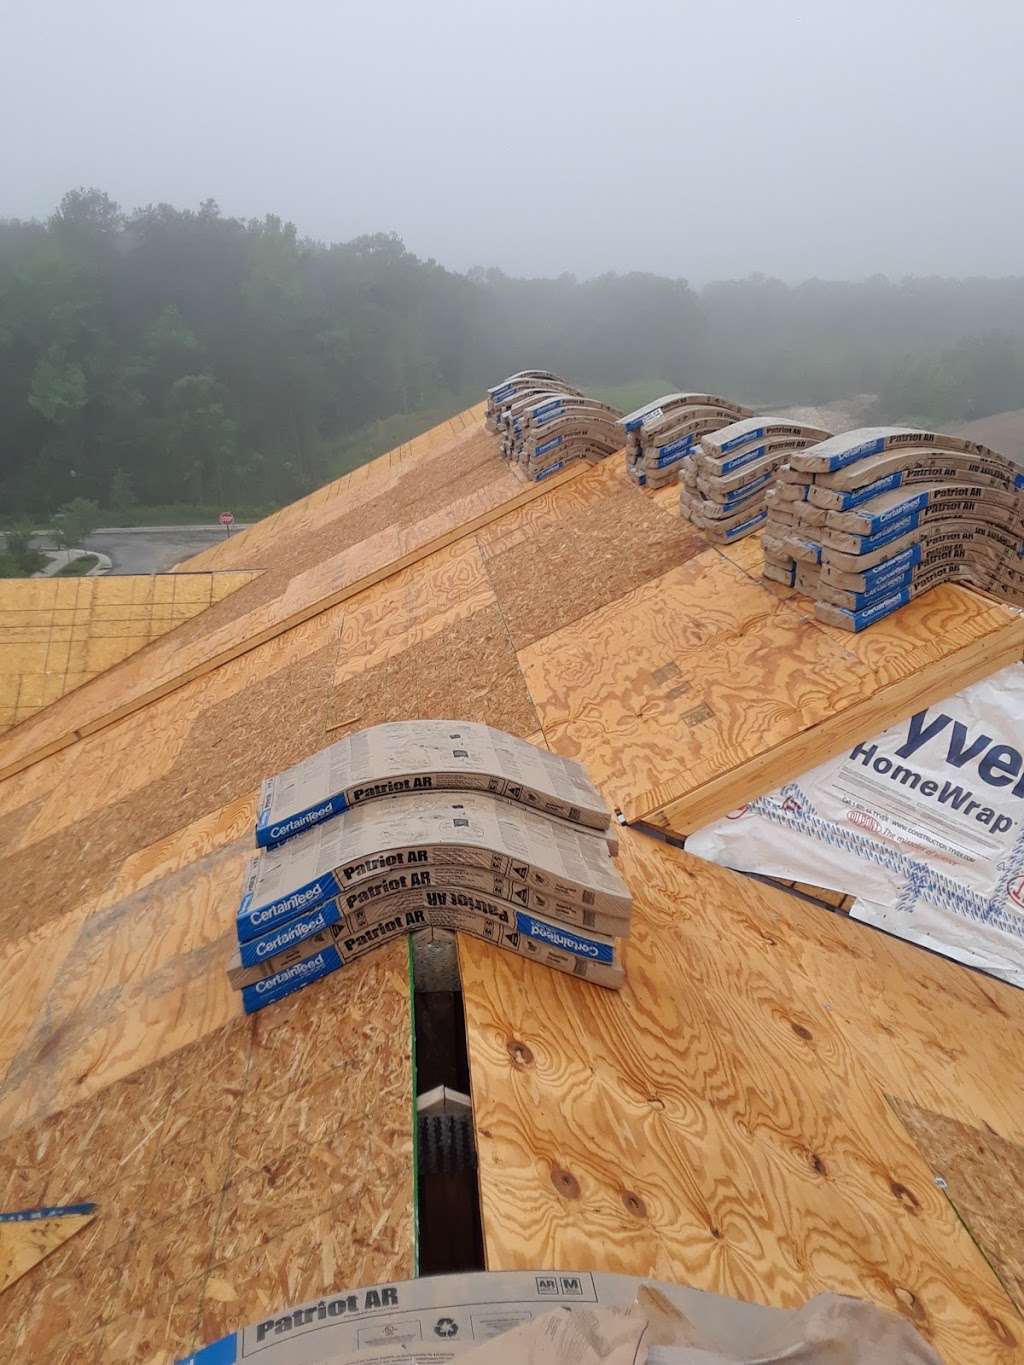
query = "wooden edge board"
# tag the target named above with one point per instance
(406, 561)
(819, 742)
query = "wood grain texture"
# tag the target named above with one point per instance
(701, 690)
(23, 1245)
(983, 1178)
(714, 1123)
(416, 518)
(550, 575)
(216, 1154)
(263, 540)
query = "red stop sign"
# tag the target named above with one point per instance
(226, 518)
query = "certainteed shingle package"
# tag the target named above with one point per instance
(413, 757)
(419, 826)
(567, 869)
(869, 519)
(474, 912)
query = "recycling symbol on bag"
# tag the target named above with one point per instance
(446, 1327)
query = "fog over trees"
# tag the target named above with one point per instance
(167, 356)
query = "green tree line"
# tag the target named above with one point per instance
(171, 357)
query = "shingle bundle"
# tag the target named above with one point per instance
(663, 433)
(428, 824)
(864, 521)
(551, 430)
(518, 387)
(725, 483)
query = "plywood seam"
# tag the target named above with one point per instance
(976, 660)
(484, 562)
(940, 1181)
(299, 618)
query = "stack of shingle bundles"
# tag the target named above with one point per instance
(428, 824)
(517, 387)
(662, 434)
(876, 516)
(725, 484)
(558, 428)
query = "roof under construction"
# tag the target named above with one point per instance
(761, 1111)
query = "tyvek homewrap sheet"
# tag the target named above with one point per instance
(442, 1317)
(417, 756)
(924, 824)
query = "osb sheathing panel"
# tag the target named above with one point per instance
(983, 1178)
(269, 1161)
(438, 499)
(466, 671)
(57, 633)
(552, 574)
(225, 748)
(701, 690)
(411, 607)
(717, 1123)
(368, 481)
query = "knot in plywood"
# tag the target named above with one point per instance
(565, 1183)
(909, 1304)
(634, 1204)
(521, 1055)
(907, 1198)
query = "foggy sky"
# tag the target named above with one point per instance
(704, 140)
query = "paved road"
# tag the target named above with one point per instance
(151, 549)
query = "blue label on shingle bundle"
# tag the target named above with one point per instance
(557, 937)
(223, 1352)
(291, 979)
(884, 573)
(738, 461)
(907, 507)
(47, 1211)
(870, 490)
(681, 447)
(285, 935)
(548, 445)
(883, 607)
(547, 411)
(269, 835)
(550, 469)
(746, 526)
(856, 453)
(888, 534)
(867, 599)
(667, 456)
(253, 920)
(737, 441)
(747, 490)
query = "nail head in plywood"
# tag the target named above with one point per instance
(983, 1176)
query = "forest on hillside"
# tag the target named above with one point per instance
(176, 357)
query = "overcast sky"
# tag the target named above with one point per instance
(706, 140)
